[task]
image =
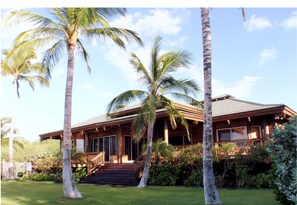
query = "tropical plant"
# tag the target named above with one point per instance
(211, 195)
(283, 152)
(5, 126)
(18, 63)
(162, 151)
(65, 31)
(159, 83)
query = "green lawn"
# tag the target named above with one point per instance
(30, 193)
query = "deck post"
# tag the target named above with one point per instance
(166, 131)
(120, 144)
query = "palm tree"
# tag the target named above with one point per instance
(65, 32)
(211, 195)
(159, 83)
(18, 64)
(5, 125)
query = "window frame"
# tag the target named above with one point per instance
(230, 131)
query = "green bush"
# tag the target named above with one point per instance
(283, 152)
(79, 173)
(42, 176)
(164, 175)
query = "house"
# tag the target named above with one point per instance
(234, 120)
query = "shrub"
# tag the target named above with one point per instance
(79, 173)
(42, 176)
(164, 175)
(283, 151)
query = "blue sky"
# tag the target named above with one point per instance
(255, 60)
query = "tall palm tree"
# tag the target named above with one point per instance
(18, 64)
(159, 82)
(211, 195)
(65, 32)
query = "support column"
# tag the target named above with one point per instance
(120, 144)
(166, 131)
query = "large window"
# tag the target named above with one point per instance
(180, 140)
(232, 134)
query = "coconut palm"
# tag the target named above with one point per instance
(18, 63)
(158, 80)
(211, 195)
(65, 31)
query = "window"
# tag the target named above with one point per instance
(255, 132)
(80, 145)
(180, 140)
(232, 134)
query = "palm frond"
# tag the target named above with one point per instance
(173, 60)
(110, 12)
(138, 126)
(115, 34)
(125, 98)
(174, 114)
(53, 55)
(185, 98)
(154, 58)
(83, 51)
(142, 72)
(16, 17)
(185, 86)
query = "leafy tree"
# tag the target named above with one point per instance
(18, 63)
(64, 31)
(158, 80)
(283, 152)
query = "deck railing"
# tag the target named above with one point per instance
(94, 160)
(243, 146)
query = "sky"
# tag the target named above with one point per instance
(253, 60)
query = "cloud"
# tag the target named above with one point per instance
(267, 55)
(97, 90)
(258, 23)
(241, 89)
(291, 22)
(156, 21)
(147, 25)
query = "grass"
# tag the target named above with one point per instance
(30, 193)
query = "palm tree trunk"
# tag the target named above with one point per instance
(211, 195)
(70, 190)
(147, 163)
(11, 133)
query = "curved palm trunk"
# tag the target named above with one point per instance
(70, 190)
(211, 195)
(147, 163)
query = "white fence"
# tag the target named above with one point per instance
(19, 167)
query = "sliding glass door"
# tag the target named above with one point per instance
(106, 144)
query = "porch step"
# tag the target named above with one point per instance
(114, 174)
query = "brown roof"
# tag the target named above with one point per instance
(227, 105)
(224, 107)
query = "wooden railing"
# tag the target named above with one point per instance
(94, 160)
(244, 145)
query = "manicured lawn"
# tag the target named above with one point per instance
(30, 193)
